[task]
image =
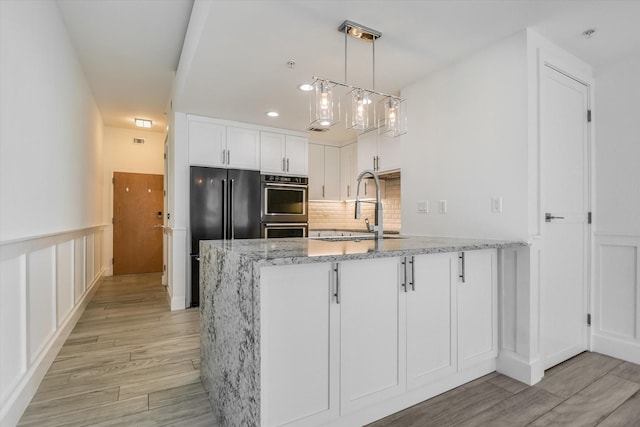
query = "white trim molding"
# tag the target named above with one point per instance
(615, 320)
(45, 285)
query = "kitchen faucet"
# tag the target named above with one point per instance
(377, 227)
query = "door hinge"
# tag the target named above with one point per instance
(113, 221)
(165, 156)
(164, 267)
(113, 261)
(113, 180)
(589, 116)
(589, 319)
(589, 218)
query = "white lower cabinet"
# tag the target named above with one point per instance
(477, 307)
(340, 339)
(371, 333)
(299, 345)
(431, 318)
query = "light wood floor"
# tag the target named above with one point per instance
(131, 362)
(589, 390)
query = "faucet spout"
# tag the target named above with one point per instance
(378, 228)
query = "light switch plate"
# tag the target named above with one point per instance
(442, 206)
(423, 206)
(496, 204)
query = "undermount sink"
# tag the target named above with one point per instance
(354, 238)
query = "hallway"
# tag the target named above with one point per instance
(128, 361)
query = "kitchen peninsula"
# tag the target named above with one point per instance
(343, 332)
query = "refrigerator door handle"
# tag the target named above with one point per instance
(224, 209)
(231, 209)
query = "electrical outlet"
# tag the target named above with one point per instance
(496, 204)
(423, 206)
(442, 206)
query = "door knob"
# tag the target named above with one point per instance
(548, 217)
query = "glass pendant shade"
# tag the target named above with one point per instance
(394, 120)
(360, 115)
(323, 108)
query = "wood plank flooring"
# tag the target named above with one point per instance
(589, 390)
(131, 362)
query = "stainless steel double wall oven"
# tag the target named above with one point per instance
(284, 206)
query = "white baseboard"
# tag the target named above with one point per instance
(18, 401)
(512, 365)
(616, 347)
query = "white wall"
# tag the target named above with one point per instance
(51, 174)
(617, 212)
(467, 143)
(122, 155)
(50, 138)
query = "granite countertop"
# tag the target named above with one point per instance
(306, 250)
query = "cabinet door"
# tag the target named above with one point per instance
(272, 153)
(299, 345)
(389, 153)
(316, 172)
(244, 148)
(431, 322)
(297, 156)
(331, 173)
(477, 309)
(206, 144)
(372, 339)
(367, 151)
(348, 171)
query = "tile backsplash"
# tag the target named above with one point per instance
(340, 215)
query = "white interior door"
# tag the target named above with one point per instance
(565, 199)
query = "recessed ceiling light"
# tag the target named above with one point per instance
(305, 87)
(143, 123)
(273, 114)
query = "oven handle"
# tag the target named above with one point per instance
(270, 184)
(286, 224)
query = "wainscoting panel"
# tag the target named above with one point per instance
(64, 280)
(45, 284)
(79, 267)
(41, 299)
(616, 317)
(13, 322)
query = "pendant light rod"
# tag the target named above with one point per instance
(356, 87)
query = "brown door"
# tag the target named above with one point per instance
(137, 223)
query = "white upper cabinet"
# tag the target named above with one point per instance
(283, 154)
(214, 144)
(243, 148)
(297, 155)
(378, 153)
(272, 153)
(324, 172)
(207, 144)
(348, 171)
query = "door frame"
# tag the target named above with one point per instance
(573, 70)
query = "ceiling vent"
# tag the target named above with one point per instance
(315, 129)
(138, 140)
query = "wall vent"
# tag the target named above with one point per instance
(314, 129)
(138, 140)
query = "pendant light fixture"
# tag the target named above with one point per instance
(366, 109)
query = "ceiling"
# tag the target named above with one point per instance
(234, 63)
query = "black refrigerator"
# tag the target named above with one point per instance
(223, 204)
